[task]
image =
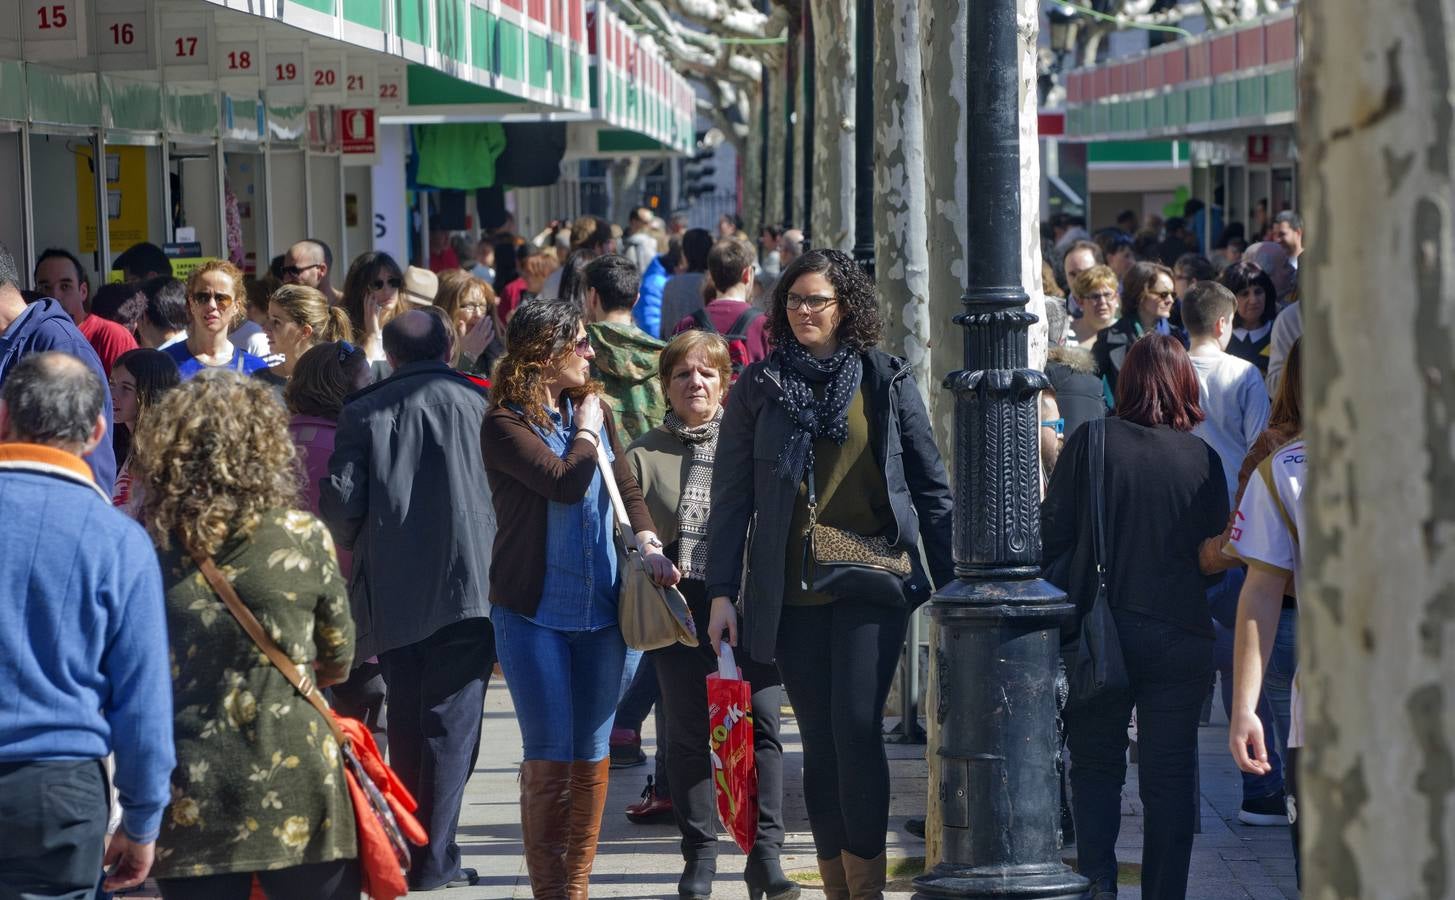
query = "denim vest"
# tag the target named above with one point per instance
(581, 581)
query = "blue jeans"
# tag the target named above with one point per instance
(564, 685)
(1273, 702)
(1169, 668)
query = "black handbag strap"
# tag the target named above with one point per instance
(810, 478)
(1096, 463)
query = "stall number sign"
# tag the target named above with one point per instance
(390, 94)
(285, 69)
(360, 83)
(187, 46)
(326, 81)
(124, 36)
(54, 29)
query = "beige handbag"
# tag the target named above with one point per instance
(651, 616)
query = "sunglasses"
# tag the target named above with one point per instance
(202, 298)
(1059, 425)
(380, 284)
(295, 271)
(1163, 295)
(582, 348)
(814, 302)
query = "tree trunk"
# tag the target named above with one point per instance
(752, 169)
(1028, 19)
(1377, 608)
(942, 30)
(776, 99)
(831, 217)
(901, 232)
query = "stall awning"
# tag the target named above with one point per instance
(1238, 79)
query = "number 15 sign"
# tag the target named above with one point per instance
(49, 29)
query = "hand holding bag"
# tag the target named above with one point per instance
(842, 564)
(1098, 669)
(651, 616)
(383, 807)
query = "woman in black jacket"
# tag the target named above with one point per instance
(1148, 296)
(1165, 494)
(827, 407)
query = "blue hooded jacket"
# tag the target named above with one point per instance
(648, 311)
(45, 326)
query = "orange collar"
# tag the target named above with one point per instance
(40, 458)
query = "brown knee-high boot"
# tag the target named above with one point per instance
(545, 812)
(588, 799)
(865, 877)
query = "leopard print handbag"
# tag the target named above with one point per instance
(842, 564)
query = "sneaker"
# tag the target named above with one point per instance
(915, 827)
(1265, 811)
(652, 810)
(626, 749)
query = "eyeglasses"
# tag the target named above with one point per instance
(380, 283)
(1100, 297)
(345, 350)
(582, 348)
(295, 271)
(814, 302)
(1059, 425)
(202, 298)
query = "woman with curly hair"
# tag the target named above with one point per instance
(828, 434)
(371, 298)
(258, 786)
(216, 303)
(554, 580)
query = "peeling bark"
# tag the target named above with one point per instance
(1377, 610)
(1028, 23)
(832, 214)
(901, 235)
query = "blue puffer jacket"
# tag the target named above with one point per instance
(648, 311)
(45, 326)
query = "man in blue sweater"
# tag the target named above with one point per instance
(83, 647)
(45, 325)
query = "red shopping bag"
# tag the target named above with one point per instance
(730, 724)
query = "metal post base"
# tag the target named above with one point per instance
(1044, 882)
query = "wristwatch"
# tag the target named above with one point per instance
(653, 541)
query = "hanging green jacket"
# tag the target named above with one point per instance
(626, 363)
(459, 155)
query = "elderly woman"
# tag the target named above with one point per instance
(554, 581)
(673, 463)
(470, 305)
(828, 431)
(1095, 291)
(1148, 295)
(1165, 494)
(258, 786)
(215, 303)
(300, 316)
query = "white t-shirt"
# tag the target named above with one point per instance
(1231, 393)
(1266, 533)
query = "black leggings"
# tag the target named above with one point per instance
(682, 673)
(837, 662)
(334, 880)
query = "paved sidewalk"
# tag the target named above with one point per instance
(1230, 860)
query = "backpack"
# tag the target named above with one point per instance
(736, 336)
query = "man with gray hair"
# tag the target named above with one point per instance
(45, 325)
(790, 247)
(83, 647)
(407, 493)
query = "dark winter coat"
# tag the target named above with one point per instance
(752, 507)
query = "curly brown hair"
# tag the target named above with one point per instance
(540, 334)
(861, 324)
(212, 456)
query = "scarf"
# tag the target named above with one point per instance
(696, 499)
(812, 419)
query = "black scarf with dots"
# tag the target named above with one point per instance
(827, 417)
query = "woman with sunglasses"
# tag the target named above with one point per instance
(214, 305)
(828, 431)
(371, 298)
(1148, 295)
(554, 578)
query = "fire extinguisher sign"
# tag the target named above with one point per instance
(358, 131)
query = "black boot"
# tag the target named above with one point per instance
(765, 876)
(696, 880)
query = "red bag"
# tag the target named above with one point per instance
(730, 727)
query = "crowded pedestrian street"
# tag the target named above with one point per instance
(767, 449)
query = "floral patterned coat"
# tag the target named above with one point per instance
(259, 783)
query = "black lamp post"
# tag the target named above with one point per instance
(995, 653)
(864, 137)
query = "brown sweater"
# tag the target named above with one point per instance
(524, 476)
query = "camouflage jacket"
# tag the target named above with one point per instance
(626, 363)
